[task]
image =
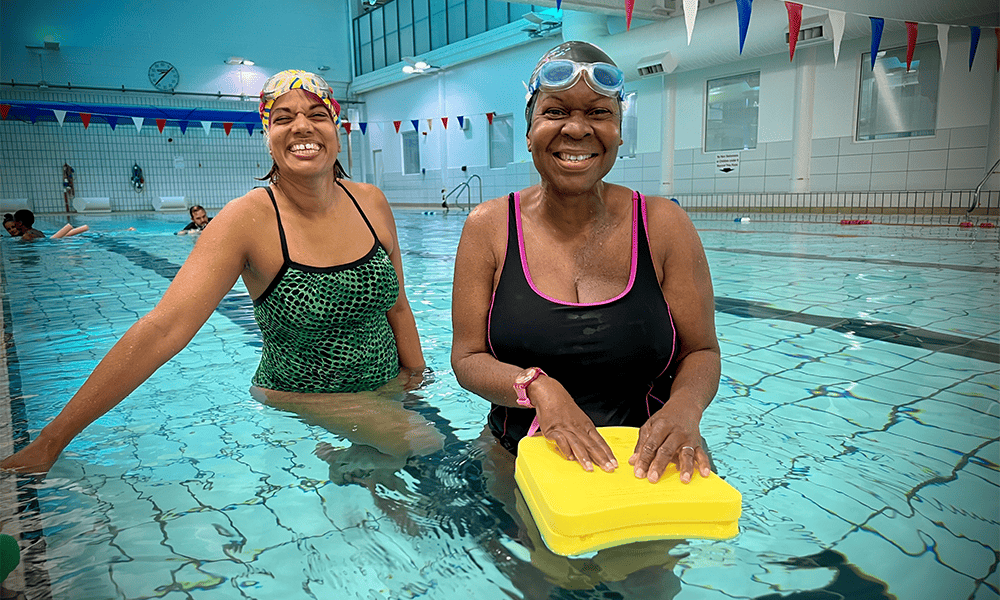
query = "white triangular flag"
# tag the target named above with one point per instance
(207, 126)
(943, 42)
(60, 115)
(138, 123)
(690, 10)
(837, 19)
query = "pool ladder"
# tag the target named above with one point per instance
(975, 197)
(464, 186)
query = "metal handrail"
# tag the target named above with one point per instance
(465, 186)
(975, 197)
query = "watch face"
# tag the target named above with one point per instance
(163, 75)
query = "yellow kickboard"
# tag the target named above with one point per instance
(578, 512)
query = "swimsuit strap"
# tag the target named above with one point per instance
(281, 230)
(363, 215)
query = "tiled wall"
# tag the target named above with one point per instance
(206, 168)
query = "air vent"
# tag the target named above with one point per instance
(813, 31)
(650, 70)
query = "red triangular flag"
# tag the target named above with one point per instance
(396, 124)
(489, 117)
(629, 5)
(160, 123)
(85, 117)
(347, 127)
(5, 108)
(445, 119)
(228, 127)
(911, 42)
(794, 24)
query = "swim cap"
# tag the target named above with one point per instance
(286, 81)
(581, 53)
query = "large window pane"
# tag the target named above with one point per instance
(475, 12)
(731, 112)
(496, 13)
(439, 24)
(456, 21)
(895, 102)
(411, 153)
(405, 12)
(392, 48)
(501, 141)
(406, 41)
(630, 126)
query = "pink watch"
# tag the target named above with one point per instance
(522, 382)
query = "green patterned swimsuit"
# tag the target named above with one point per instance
(325, 329)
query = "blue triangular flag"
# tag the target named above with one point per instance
(363, 126)
(461, 122)
(112, 121)
(250, 128)
(184, 126)
(743, 8)
(416, 124)
(877, 24)
(973, 44)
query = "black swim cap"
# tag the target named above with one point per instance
(576, 51)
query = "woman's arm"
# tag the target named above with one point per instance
(687, 286)
(208, 273)
(478, 259)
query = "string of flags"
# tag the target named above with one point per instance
(113, 115)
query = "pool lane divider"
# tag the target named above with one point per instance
(28, 526)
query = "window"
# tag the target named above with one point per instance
(411, 153)
(629, 127)
(895, 102)
(731, 112)
(501, 141)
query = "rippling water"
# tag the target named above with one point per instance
(857, 415)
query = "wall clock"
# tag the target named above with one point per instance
(163, 76)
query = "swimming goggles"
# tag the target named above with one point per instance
(562, 74)
(286, 81)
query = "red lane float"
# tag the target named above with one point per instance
(855, 222)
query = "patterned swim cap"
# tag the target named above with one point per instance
(286, 81)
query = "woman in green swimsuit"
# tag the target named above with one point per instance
(334, 317)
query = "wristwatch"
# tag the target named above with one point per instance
(521, 383)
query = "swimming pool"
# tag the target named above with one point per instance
(858, 416)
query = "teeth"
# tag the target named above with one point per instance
(305, 147)
(572, 158)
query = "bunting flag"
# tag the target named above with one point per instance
(794, 24)
(85, 117)
(558, 4)
(877, 24)
(138, 123)
(430, 124)
(363, 126)
(743, 8)
(112, 121)
(973, 45)
(396, 124)
(837, 19)
(943, 43)
(60, 115)
(207, 126)
(461, 122)
(381, 126)
(5, 108)
(416, 124)
(629, 5)
(227, 127)
(347, 127)
(445, 119)
(489, 117)
(184, 126)
(32, 114)
(250, 127)
(911, 42)
(160, 124)
(690, 12)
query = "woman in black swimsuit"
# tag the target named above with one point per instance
(580, 303)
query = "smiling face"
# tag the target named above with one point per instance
(302, 136)
(574, 138)
(13, 228)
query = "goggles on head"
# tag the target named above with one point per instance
(561, 74)
(286, 81)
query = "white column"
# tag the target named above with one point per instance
(802, 125)
(443, 135)
(667, 142)
(993, 138)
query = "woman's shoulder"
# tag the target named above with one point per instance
(365, 192)
(249, 208)
(662, 212)
(488, 214)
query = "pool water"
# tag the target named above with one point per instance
(857, 415)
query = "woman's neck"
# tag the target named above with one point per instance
(309, 195)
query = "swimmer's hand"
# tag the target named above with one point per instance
(565, 424)
(670, 436)
(36, 458)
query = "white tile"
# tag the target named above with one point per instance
(967, 158)
(826, 147)
(823, 165)
(926, 180)
(853, 182)
(855, 164)
(894, 161)
(969, 137)
(928, 160)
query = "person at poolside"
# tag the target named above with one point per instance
(335, 322)
(580, 303)
(199, 219)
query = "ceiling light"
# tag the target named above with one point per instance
(239, 60)
(408, 69)
(421, 65)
